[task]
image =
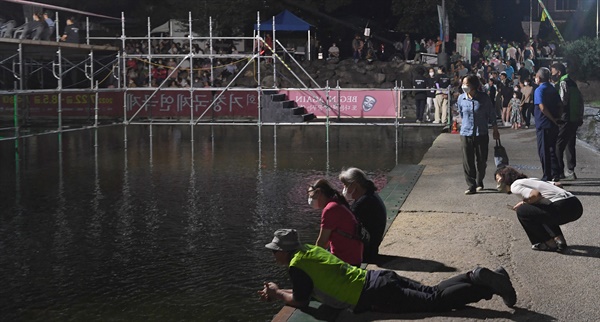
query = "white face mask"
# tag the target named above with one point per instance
(347, 195)
(311, 201)
(431, 74)
(526, 83)
(466, 88)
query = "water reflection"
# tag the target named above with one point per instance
(130, 223)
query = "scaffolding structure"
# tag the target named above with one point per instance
(25, 57)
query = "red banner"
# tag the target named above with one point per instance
(164, 104)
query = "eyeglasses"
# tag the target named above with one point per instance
(311, 189)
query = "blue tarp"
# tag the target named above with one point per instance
(285, 21)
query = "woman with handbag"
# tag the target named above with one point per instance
(544, 207)
(476, 111)
(338, 231)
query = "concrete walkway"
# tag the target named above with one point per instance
(440, 232)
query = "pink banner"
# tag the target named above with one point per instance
(348, 103)
(165, 104)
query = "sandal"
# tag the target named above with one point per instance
(544, 247)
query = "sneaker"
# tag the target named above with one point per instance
(498, 281)
(470, 192)
(418, 121)
(436, 122)
(570, 175)
(479, 188)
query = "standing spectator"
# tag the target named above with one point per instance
(51, 26)
(419, 82)
(527, 102)
(477, 112)
(438, 45)
(490, 89)
(338, 223)
(71, 33)
(546, 111)
(475, 51)
(357, 47)
(407, 47)
(431, 81)
(572, 117)
(515, 108)
(368, 208)
(506, 92)
(441, 98)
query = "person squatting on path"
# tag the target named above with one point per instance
(315, 272)
(547, 112)
(572, 118)
(338, 223)
(476, 111)
(368, 208)
(544, 207)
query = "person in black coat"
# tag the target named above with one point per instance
(419, 82)
(367, 206)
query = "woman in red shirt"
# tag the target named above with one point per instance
(338, 224)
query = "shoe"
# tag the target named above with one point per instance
(498, 281)
(544, 247)
(570, 175)
(561, 244)
(418, 121)
(526, 126)
(479, 188)
(470, 192)
(436, 122)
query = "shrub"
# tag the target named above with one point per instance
(583, 58)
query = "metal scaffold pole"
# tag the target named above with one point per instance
(256, 47)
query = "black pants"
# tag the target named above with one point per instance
(475, 155)
(526, 112)
(420, 103)
(542, 222)
(546, 143)
(567, 137)
(396, 294)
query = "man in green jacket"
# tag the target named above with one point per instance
(571, 120)
(315, 272)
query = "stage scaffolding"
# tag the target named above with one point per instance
(99, 62)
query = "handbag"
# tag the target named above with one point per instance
(500, 155)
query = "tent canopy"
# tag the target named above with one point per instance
(173, 27)
(284, 21)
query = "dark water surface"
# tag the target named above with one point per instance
(159, 228)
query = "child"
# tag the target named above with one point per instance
(515, 112)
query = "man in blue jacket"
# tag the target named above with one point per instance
(547, 110)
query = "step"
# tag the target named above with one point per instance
(308, 117)
(300, 110)
(278, 97)
(288, 104)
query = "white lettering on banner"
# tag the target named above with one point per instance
(165, 102)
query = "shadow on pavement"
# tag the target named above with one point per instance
(411, 264)
(469, 312)
(583, 251)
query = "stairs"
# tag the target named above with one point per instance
(278, 109)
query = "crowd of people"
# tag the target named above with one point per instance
(176, 71)
(41, 27)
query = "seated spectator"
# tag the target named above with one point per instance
(35, 28)
(338, 224)
(334, 52)
(71, 33)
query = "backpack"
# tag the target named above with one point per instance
(360, 233)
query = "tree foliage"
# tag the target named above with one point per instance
(583, 58)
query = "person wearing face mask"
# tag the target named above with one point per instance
(515, 109)
(547, 113)
(430, 82)
(527, 102)
(477, 112)
(338, 231)
(367, 206)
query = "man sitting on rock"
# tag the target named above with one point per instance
(334, 53)
(316, 272)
